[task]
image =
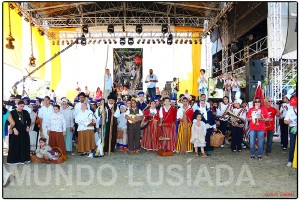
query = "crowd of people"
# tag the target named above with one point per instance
(145, 121)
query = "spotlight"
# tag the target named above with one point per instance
(109, 41)
(105, 42)
(164, 28)
(186, 41)
(85, 29)
(195, 42)
(170, 39)
(139, 29)
(143, 41)
(31, 24)
(122, 41)
(110, 28)
(158, 41)
(163, 41)
(71, 41)
(57, 43)
(148, 41)
(67, 41)
(99, 41)
(53, 42)
(115, 42)
(41, 32)
(32, 61)
(153, 41)
(10, 45)
(20, 13)
(67, 22)
(181, 41)
(176, 41)
(190, 41)
(130, 41)
(11, 6)
(83, 40)
(200, 41)
(26, 19)
(94, 41)
(90, 41)
(63, 42)
(139, 40)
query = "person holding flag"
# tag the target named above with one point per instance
(257, 116)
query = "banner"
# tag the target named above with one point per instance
(128, 68)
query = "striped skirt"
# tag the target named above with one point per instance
(149, 138)
(167, 130)
(180, 138)
(86, 141)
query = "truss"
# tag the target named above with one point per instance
(224, 27)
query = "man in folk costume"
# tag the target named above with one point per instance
(134, 117)
(219, 85)
(185, 117)
(44, 114)
(113, 114)
(284, 128)
(237, 124)
(210, 123)
(142, 104)
(167, 115)
(150, 132)
(223, 117)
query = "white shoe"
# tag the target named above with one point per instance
(222, 146)
(289, 164)
(90, 155)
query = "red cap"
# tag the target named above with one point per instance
(293, 101)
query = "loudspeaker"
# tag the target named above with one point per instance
(250, 90)
(255, 71)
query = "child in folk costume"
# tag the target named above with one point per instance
(167, 115)
(210, 124)
(150, 133)
(43, 150)
(134, 117)
(122, 126)
(185, 117)
(237, 125)
(198, 135)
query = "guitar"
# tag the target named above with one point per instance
(138, 116)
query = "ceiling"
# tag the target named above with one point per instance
(74, 14)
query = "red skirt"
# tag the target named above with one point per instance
(150, 136)
(168, 130)
(56, 139)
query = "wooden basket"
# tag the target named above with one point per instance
(217, 139)
(164, 153)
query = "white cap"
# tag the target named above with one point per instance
(239, 101)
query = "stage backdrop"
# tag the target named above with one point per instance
(128, 67)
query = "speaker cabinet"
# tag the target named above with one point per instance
(255, 71)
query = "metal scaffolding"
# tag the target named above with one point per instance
(207, 45)
(224, 32)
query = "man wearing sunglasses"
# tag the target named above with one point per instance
(257, 116)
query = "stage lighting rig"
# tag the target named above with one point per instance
(130, 41)
(164, 28)
(85, 28)
(32, 61)
(11, 6)
(139, 28)
(110, 28)
(170, 39)
(122, 41)
(83, 40)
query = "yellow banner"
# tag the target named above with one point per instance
(55, 66)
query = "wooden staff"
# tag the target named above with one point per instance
(110, 130)
(103, 121)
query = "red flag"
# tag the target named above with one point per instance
(259, 93)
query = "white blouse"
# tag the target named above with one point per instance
(122, 121)
(180, 112)
(45, 114)
(83, 119)
(68, 115)
(57, 123)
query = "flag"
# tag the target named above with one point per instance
(259, 93)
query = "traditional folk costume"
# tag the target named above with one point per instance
(185, 117)
(68, 116)
(114, 122)
(150, 133)
(210, 124)
(222, 117)
(32, 133)
(101, 118)
(19, 145)
(236, 131)
(122, 125)
(86, 139)
(134, 130)
(168, 129)
(198, 134)
(57, 125)
(44, 114)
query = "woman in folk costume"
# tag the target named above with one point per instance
(150, 133)
(185, 118)
(167, 115)
(224, 106)
(198, 134)
(113, 113)
(19, 141)
(86, 139)
(238, 124)
(68, 116)
(210, 123)
(57, 130)
(32, 133)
